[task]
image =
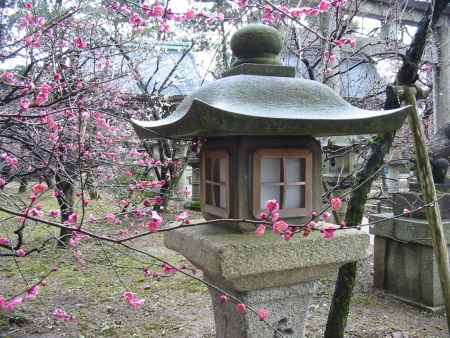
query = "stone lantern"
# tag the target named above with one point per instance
(260, 124)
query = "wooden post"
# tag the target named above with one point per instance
(430, 197)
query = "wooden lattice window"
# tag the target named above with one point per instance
(284, 175)
(215, 183)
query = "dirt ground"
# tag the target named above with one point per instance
(177, 307)
(174, 306)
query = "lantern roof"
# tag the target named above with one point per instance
(258, 96)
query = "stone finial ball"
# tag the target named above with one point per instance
(256, 43)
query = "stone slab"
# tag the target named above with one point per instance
(405, 229)
(246, 262)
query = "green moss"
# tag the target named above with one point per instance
(366, 301)
(194, 206)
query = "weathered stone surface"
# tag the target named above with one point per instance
(287, 306)
(256, 43)
(262, 70)
(404, 262)
(246, 262)
(268, 105)
(405, 229)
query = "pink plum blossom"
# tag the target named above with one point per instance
(312, 12)
(263, 314)
(72, 219)
(164, 27)
(183, 216)
(32, 293)
(260, 230)
(2, 182)
(36, 212)
(288, 234)
(263, 216)
(336, 203)
(110, 217)
(241, 308)
(132, 300)
(169, 269)
(272, 206)
(8, 77)
(268, 16)
(328, 233)
(2, 303)
(24, 103)
(352, 42)
(13, 303)
(150, 273)
(189, 15)
(242, 3)
(223, 298)
(324, 6)
(5, 242)
(60, 314)
(158, 10)
(279, 227)
(39, 188)
(76, 238)
(10, 160)
(326, 216)
(21, 253)
(330, 58)
(136, 20)
(79, 43)
(155, 223)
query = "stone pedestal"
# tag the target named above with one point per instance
(265, 272)
(404, 263)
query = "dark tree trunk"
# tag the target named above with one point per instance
(340, 305)
(65, 199)
(23, 185)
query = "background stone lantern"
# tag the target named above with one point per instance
(259, 123)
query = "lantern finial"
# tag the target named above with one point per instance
(258, 44)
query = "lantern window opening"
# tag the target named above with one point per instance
(284, 175)
(215, 185)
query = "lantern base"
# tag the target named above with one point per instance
(266, 272)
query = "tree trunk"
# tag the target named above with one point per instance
(90, 185)
(65, 199)
(23, 185)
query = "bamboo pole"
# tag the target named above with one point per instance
(430, 197)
